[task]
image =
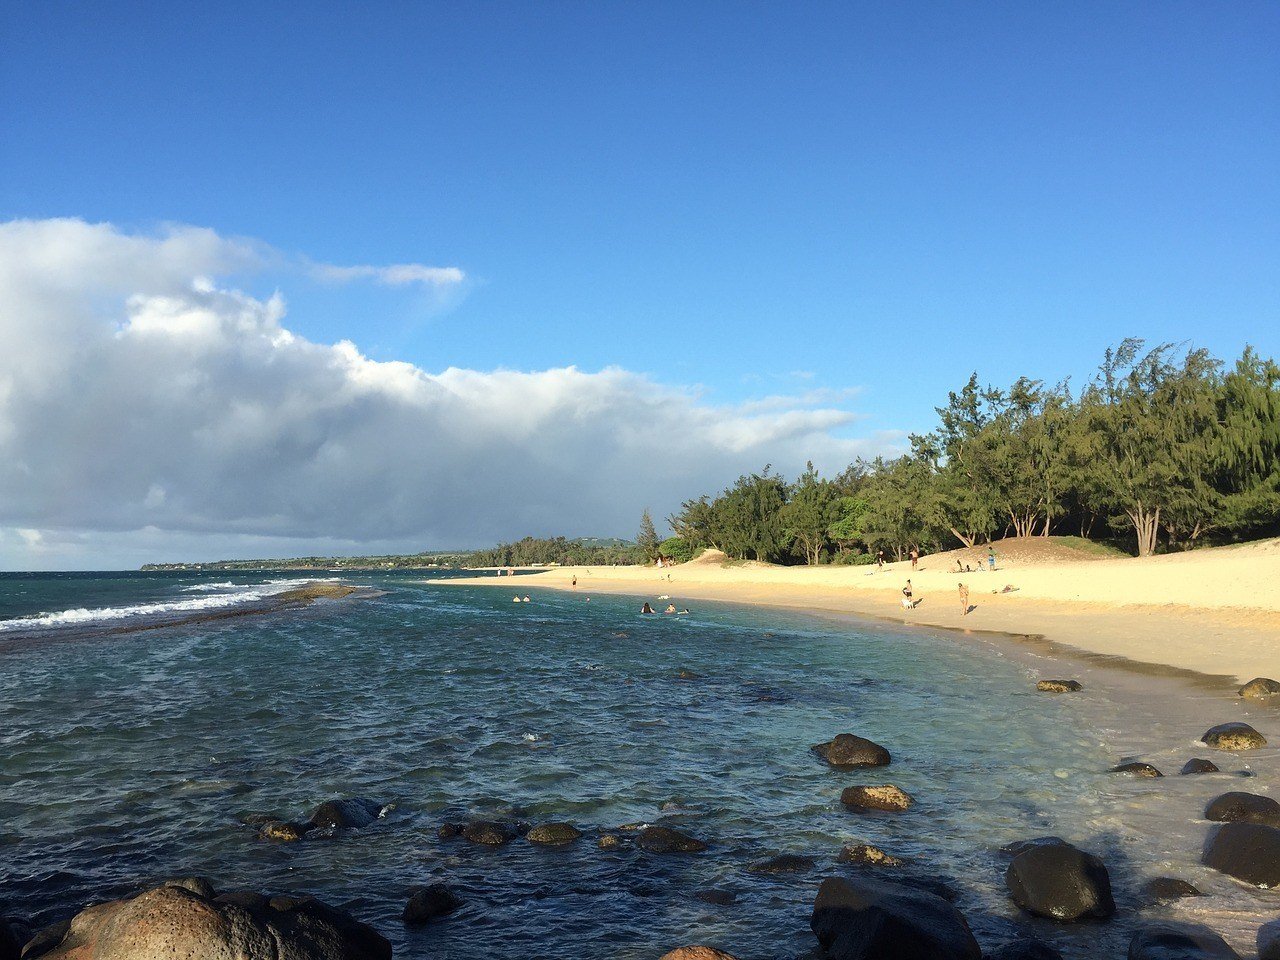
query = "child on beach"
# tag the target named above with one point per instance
(964, 600)
(907, 602)
(991, 558)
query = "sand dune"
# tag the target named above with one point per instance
(1214, 611)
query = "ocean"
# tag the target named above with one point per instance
(128, 756)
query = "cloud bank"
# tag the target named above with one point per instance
(146, 406)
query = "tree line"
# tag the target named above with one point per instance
(533, 551)
(1165, 448)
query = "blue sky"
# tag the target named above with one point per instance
(747, 199)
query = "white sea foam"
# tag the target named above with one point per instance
(236, 594)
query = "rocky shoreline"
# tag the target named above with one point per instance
(868, 903)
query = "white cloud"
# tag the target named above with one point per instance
(395, 275)
(146, 408)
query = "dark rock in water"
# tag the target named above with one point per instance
(352, 813)
(491, 833)
(666, 840)
(1246, 851)
(1196, 765)
(447, 831)
(197, 885)
(886, 798)
(939, 887)
(1269, 941)
(1060, 882)
(847, 752)
(608, 842)
(686, 674)
(867, 855)
(174, 922)
(1260, 688)
(1169, 942)
(1247, 807)
(45, 939)
(9, 948)
(720, 898)
(1138, 769)
(553, 834)
(1234, 736)
(870, 919)
(1018, 846)
(1169, 888)
(283, 831)
(427, 903)
(1059, 686)
(783, 863)
(1024, 950)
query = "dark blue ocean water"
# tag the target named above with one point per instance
(129, 757)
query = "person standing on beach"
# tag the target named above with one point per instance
(964, 600)
(908, 603)
(575, 580)
(991, 558)
(880, 559)
(915, 557)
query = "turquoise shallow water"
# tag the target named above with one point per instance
(129, 758)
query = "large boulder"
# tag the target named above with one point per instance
(1246, 851)
(1169, 942)
(429, 903)
(553, 834)
(1234, 736)
(1024, 950)
(1238, 806)
(1018, 846)
(666, 840)
(1260, 688)
(847, 752)
(886, 798)
(871, 919)
(1168, 888)
(352, 813)
(1060, 882)
(172, 922)
(1198, 765)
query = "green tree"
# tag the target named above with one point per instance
(647, 538)
(809, 513)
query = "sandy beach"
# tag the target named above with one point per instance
(1213, 611)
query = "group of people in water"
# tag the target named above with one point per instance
(671, 608)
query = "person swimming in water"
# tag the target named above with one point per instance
(671, 608)
(646, 608)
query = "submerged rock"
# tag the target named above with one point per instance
(887, 797)
(1234, 736)
(867, 855)
(666, 840)
(1260, 688)
(490, 833)
(1024, 950)
(697, 953)
(351, 813)
(1060, 882)
(1170, 942)
(1138, 769)
(553, 834)
(783, 863)
(1197, 765)
(847, 751)
(608, 842)
(1245, 807)
(174, 922)
(1059, 686)
(283, 831)
(447, 831)
(720, 898)
(1169, 888)
(871, 919)
(429, 903)
(1246, 851)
